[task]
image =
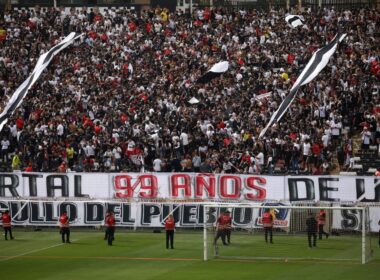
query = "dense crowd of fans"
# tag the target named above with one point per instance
(118, 99)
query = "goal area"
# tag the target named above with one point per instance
(342, 232)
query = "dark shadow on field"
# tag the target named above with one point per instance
(15, 240)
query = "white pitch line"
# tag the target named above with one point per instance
(33, 251)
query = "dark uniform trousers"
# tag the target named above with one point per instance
(65, 231)
(314, 235)
(170, 238)
(228, 235)
(6, 230)
(321, 231)
(110, 234)
(270, 231)
(220, 233)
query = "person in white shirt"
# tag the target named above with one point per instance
(325, 140)
(306, 154)
(157, 165)
(4, 150)
(260, 160)
(203, 150)
(254, 168)
(184, 137)
(13, 130)
(90, 151)
(108, 159)
(117, 156)
(60, 130)
(366, 138)
(335, 131)
(210, 132)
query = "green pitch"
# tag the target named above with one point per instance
(142, 255)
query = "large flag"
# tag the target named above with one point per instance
(315, 65)
(294, 20)
(23, 89)
(215, 71)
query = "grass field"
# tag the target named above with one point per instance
(142, 255)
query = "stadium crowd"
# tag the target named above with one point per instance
(118, 99)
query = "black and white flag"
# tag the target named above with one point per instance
(42, 63)
(295, 20)
(215, 71)
(315, 65)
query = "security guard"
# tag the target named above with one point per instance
(311, 227)
(221, 229)
(169, 228)
(106, 224)
(267, 221)
(64, 227)
(228, 228)
(7, 226)
(321, 224)
(110, 222)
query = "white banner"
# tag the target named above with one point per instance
(92, 213)
(352, 219)
(191, 186)
(185, 188)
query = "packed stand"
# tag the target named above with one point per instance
(118, 99)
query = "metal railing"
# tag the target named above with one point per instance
(227, 4)
(339, 4)
(74, 3)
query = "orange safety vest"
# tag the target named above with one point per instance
(6, 218)
(64, 221)
(322, 217)
(267, 220)
(228, 222)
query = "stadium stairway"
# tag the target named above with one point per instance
(366, 162)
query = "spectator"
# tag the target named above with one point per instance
(16, 161)
(4, 150)
(118, 97)
(366, 138)
(62, 167)
(157, 165)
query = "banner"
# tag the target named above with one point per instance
(92, 213)
(189, 215)
(351, 219)
(82, 192)
(191, 186)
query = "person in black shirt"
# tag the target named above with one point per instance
(312, 226)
